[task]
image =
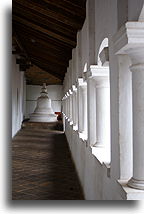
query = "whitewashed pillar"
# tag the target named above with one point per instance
(66, 106)
(80, 107)
(63, 105)
(65, 99)
(74, 107)
(130, 41)
(70, 107)
(99, 117)
(84, 103)
(91, 96)
(102, 111)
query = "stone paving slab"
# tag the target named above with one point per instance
(42, 167)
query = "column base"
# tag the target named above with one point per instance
(99, 145)
(137, 184)
(83, 135)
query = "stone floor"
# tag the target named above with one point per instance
(42, 168)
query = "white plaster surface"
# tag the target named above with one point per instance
(18, 97)
(99, 180)
(134, 9)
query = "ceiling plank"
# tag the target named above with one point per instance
(46, 29)
(47, 53)
(76, 3)
(40, 43)
(68, 6)
(49, 64)
(32, 32)
(42, 20)
(49, 13)
(43, 30)
(46, 58)
(19, 44)
(60, 77)
(37, 75)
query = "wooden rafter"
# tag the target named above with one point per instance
(44, 30)
(46, 33)
(50, 13)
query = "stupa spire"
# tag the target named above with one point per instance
(44, 90)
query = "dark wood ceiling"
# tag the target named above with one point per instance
(44, 34)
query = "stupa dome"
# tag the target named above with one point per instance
(43, 111)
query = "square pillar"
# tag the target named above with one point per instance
(130, 41)
(82, 108)
(99, 106)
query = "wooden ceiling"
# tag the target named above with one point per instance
(44, 34)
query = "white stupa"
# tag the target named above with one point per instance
(43, 111)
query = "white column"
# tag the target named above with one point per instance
(84, 109)
(91, 96)
(70, 107)
(74, 107)
(80, 107)
(99, 97)
(133, 45)
(66, 106)
(102, 111)
(137, 68)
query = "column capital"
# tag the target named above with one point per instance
(130, 40)
(64, 97)
(129, 37)
(67, 94)
(74, 88)
(81, 82)
(97, 71)
(70, 91)
(100, 74)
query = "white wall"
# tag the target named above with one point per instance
(99, 181)
(18, 96)
(33, 92)
(134, 9)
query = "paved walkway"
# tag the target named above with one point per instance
(42, 168)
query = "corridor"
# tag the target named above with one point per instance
(82, 62)
(42, 168)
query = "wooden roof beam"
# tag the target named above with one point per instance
(39, 8)
(39, 19)
(45, 31)
(60, 77)
(32, 33)
(47, 45)
(28, 34)
(60, 69)
(73, 9)
(47, 57)
(19, 44)
(76, 3)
